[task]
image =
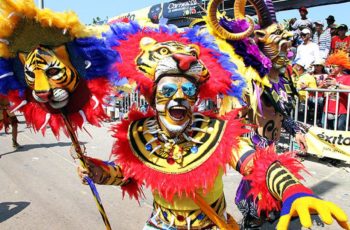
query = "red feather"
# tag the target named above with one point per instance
(262, 161)
(35, 113)
(168, 185)
(129, 50)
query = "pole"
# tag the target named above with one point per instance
(41, 4)
(83, 163)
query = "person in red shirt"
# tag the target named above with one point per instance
(337, 63)
(341, 42)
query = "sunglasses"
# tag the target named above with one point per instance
(333, 66)
(303, 35)
(169, 89)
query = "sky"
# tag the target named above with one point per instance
(89, 9)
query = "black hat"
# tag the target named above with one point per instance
(330, 18)
(342, 26)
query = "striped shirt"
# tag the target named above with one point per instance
(323, 41)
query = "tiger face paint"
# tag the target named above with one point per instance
(174, 100)
(49, 73)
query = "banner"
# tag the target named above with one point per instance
(178, 9)
(174, 10)
(329, 143)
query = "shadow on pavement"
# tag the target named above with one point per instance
(323, 186)
(326, 161)
(295, 224)
(9, 209)
(35, 146)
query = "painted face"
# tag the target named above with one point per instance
(174, 101)
(276, 43)
(335, 69)
(50, 75)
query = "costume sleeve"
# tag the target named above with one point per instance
(108, 172)
(242, 159)
(272, 175)
(291, 126)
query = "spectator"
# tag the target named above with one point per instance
(303, 22)
(337, 63)
(7, 118)
(341, 42)
(308, 51)
(320, 75)
(323, 39)
(319, 72)
(305, 80)
(331, 26)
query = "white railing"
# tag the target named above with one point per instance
(326, 97)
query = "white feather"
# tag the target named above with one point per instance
(82, 114)
(96, 101)
(23, 103)
(47, 118)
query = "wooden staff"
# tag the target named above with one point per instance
(80, 154)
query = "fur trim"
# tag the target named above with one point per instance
(125, 39)
(23, 26)
(262, 161)
(12, 12)
(36, 114)
(167, 185)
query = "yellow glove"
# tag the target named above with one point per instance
(302, 206)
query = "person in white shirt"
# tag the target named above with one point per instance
(323, 39)
(308, 51)
(303, 22)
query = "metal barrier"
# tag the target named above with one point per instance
(118, 106)
(318, 95)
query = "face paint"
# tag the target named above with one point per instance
(50, 75)
(175, 100)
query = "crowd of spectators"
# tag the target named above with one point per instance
(318, 49)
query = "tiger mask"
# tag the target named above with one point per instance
(50, 75)
(276, 41)
(158, 59)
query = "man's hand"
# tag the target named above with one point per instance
(330, 82)
(302, 206)
(301, 141)
(94, 170)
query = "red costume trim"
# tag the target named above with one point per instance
(262, 161)
(167, 185)
(129, 49)
(35, 113)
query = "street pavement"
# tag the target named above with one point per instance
(40, 189)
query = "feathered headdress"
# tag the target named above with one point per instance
(23, 28)
(339, 58)
(223, 76)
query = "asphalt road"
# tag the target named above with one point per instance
(40, 189)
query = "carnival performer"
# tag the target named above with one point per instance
(8, 118)
(180, 154)
(51, 64)
(54, 70)
(270, 92)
